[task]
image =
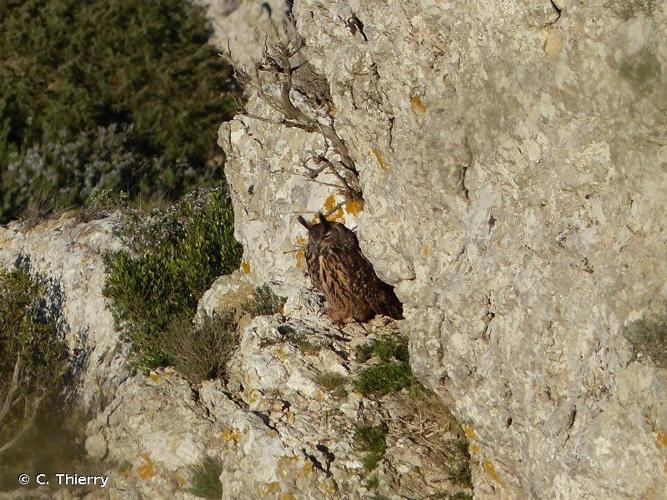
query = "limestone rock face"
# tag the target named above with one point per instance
(69, 254)
(513, 162)
(275, 430)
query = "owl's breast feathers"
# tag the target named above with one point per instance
(350, 284)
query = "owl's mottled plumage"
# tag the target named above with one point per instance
(346, 278)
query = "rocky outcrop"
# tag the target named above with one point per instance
(277, 431)
(512, 160)
(69, 254)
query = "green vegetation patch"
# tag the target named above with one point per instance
(391, 373)
(128, 92)
(264, 302)
(648, 336)
(371, 439)
(201, 351)
(298, 339)
(172, 258)
(334, 382)
(206, 478)
(373, 483)
(642, 70)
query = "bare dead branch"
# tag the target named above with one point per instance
(277, 66)
(13, 385)
(29, 409)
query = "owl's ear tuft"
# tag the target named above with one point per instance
(303, 222)
(323, 220)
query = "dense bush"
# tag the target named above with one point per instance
(172, 258)
(64, 175)
(32, 355)
(70, 67)
(201, 351)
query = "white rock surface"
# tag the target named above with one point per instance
(277, 432)
(513, 160)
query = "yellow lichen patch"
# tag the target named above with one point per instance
(181, 481)
(354, 207)
(287, 496)
(424, 251)
(287, 461)
(417, 105)
(280, 354)
(245, 266)
(254, 396)
(230, 435)
(265, 489)
(307, 469)
(490, 469)
(300, 259)
(470, 432)
(553, 44)
(147, 469)
(332, 110)
(155, 377)
(661, 439)
(475, 449)
(329, 205)
(319, 395)
(286, 466)
(329, 488)
(380, 159)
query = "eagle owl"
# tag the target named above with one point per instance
(346, 278)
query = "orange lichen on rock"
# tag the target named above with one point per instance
(380, 159)
(469, 432)
(490, 469)
(661, 439)
(417, 105)
(147, 469)
(354, 207)
(245, 266)
(230, 435)
(265, 489)
(329, 205)
(300, 259)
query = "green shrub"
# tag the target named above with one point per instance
(461, 495)
(200, 352)
(386, 378)
(74, 174)
(264, 302)
(373, 483)
(173, 257)
(33, 354)
(298, 339)
(206, 478)
(392, 373)
(70, 67)
(334, 382)
(648, 336)
(372, 440)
